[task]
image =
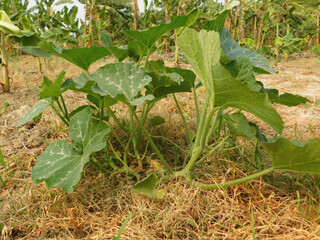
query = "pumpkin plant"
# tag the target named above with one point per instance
(225, 71)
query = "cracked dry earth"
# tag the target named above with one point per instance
(297, 76)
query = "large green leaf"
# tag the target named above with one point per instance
(7, 26)
(233, 51)
(35, 51)
(202, 50)
(61, 164)
(295, 156)
(242, 69)
(216, 24)
(120, 53)
(81, 57)
(120, 79)
(230, 92)
(167, 80)
(35, 112)
(150, 36)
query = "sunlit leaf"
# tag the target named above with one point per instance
(7, 26)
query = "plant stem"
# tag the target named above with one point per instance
(59, 115)
(164, 162)
(102, 110)
(133, 132)
(195, 156)
(189, 135)
(231, 183)
(124, 164)
(123, 128)
(60, 107)
(205, 132)
(196, 105)
(213, 149)
(65, 108)
(201, 123)
(147, 58)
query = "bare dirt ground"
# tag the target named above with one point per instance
(100, 203)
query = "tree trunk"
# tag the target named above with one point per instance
(318, 32)
(176, 45)
(227, 21)
(255, 28)
(39, 65)
(5, 68)
(241, 21)
(90, 26)
(135, 14)
(235, 23)
(166, 19)
(85, 18)
(260, 30)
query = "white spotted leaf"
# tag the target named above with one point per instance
(120, 79)
(61, 164)
(36, 111)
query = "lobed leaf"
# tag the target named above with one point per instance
(242, 69)
(51, 89)
(230, 92)
(81, 57)
(150, 36)
(289, 155)
(233, 51)
(202, 49)
(120, 79)
(61, 164)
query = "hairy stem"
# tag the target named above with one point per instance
(196, 105)
(231, 183)
(201, 123)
